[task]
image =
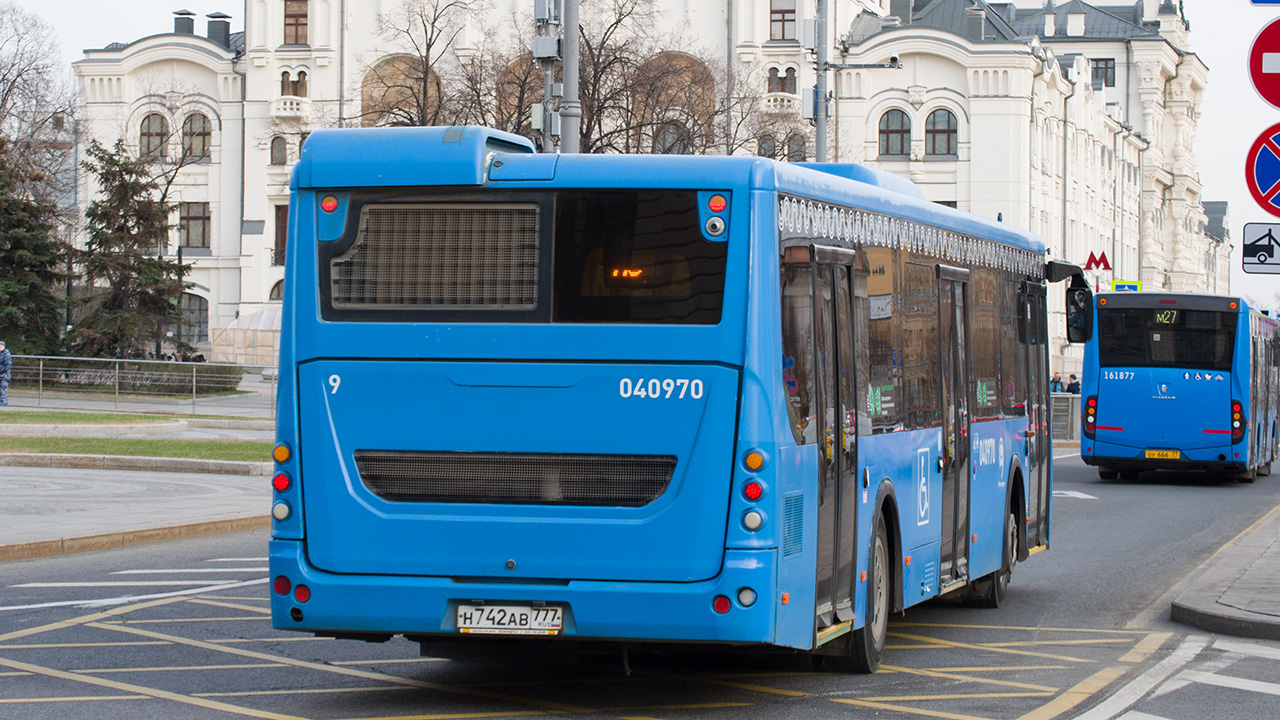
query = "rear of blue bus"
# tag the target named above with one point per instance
(1162, 386)
(510, 391)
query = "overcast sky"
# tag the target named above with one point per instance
(1222, 32)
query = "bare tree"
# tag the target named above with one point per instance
(35, 103)
(500, 82)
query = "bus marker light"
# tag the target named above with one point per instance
(753, 490)
(908, 560)
(281, 511)
(717, 203)
(281, 453)
(753, 520)
(786, 597)
(281, 482)
(302, 593)
(864, 576)
(282, 585)
(746, 597)
(1102, 301)
(975, 539)
(721, 604)
(754, 461)
(329, 203)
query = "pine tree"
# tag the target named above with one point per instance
(30, 256)
(133, 291)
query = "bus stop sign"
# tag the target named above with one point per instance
(1261, 244)
(1262, 170)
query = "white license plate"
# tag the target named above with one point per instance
(510, 619)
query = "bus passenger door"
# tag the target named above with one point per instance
(1036, 473)
(956, 384)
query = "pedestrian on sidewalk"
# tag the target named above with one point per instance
(6, 372)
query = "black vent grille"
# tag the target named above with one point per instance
(440, 256)
(512, 478)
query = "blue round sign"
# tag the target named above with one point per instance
(1262, 170)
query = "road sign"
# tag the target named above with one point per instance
(1097, 262)
(1128, 285)
(1262, 170)
(1261, 244)
(1264, 63)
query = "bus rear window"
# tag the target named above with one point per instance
(1166, 337)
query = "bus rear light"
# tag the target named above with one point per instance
(302, 593)
(753, 460)
(753, 490)
(1089, 418)
(281, 453)
(282, 585)
(281, 482)
(721, 604)
(746, 597)
(281, 511)
(717, 203)
(329, 203)
(753, 520)
(1239, 423)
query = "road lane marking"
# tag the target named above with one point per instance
(1077, 694)
(82, 620)
(973, 646)
(1145, 647)
(1036, 643)
(232, 606)
(100, 602)
(956, 696)
(906, 709)
(306, 691)
(998, 668)
(1135, 715)
(353, 672)
(968, 678)
(1014, 627)
(184, 571)
(43, 646)
(1228, 681)
(393, 661)
(706, 680)
(140, 690)
(246, 666)
(81, 698)
(246, 618)
(1073, 494)
(1247, 648)
(307, 638)
(1140, 686)
(120, 583)
(455, 716)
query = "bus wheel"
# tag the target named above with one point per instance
(1247, 476)
(869, 640)
(990, 591)
(1108, 473)
(1264, 470)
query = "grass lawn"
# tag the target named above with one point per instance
(198, 449)
(55, 417)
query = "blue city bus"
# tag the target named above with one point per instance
(578, 399)
(1178, 381)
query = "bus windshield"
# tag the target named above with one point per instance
(1165, 337)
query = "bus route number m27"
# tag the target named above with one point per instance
(654, 388)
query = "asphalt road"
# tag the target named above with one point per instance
(181, 630)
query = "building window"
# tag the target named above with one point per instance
(277, 291)
(767, 146)
(940, 133)
(782, 19)
(795, 148)
(672, 138)
(782, 83)
(193, 228)
(295, 22)
(895, 133)
(282, 234)
(1105, 71)
(195, 319)
(196, 132)
(291, 86)
(279, 150)
(155, 135)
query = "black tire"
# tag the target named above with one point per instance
(990, 591)
(869, 640)
(1261, 257)
(1108, 473)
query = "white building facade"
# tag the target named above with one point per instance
(1007, 112)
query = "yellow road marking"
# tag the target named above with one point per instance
(308, 638)
(84, 619)
(998, 668)
(312, 691)
(906, 709)
(14, 674)
(231, 597)
(972, 646)
(41, 646)
(389, 662)
(82, 698)
(99, 671)
(637, 717)
(152, 692)
(1079, 693)
(954, 696)
(258, 618)
(1036, 643)
(233, 606)
(894, 626)
(985, 681)
(322, 667)
(705, 680)
(1145, 647)
(689, 706)
(454, 716)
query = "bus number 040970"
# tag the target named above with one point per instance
(655, 388)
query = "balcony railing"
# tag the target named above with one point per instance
(291, 108)
(781, 103)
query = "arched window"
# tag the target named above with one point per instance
(895, 133)
(672, 138)
(399, 90)
(195, 319)
(277, 291)
(154, 136)
(196, 132)
(796, 148)
(775, 82)
(767, 146)
(940, 133)
(295, 87)
(300, 85)
(286, 83)
(789, 82)
(279, 150)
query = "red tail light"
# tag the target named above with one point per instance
(1089, 418)
(1239, 423)
(282, 585)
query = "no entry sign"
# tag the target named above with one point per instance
(1262, 170)
(1264, 63)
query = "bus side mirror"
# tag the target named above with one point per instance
(1079, 314)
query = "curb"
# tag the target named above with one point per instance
(20, 430)
(1224, 623)
(126, 462)
(232, 424)
(109, 541)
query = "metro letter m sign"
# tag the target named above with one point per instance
(1097, 262)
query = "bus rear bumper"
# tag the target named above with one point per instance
(1121, 457)
(426, 607)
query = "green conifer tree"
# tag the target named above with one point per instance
(30, 257)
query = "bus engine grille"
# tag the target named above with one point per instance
(514, 478)
(442, 255)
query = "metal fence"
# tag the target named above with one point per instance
(143, 385)
(1065, 416)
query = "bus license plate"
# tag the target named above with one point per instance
(1163, 454)
(509, 619)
